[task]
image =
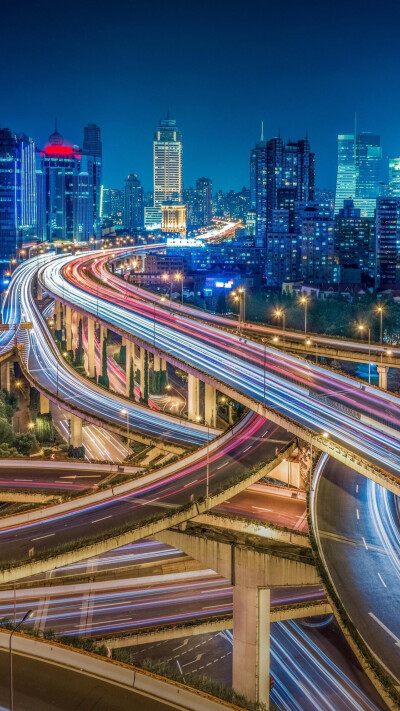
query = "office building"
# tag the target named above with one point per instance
(318, 261)
(394, 178)
(358, 169)
(388, 241)
(203, 202)
(173, 218)
(133, 203)
(167, 163)
(18, 211)
(111, 205)
(355, 245)
(92, 146)
(68, 185)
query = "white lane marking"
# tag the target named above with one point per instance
(101, 519)
(40, 537)
(390, 633)
(190, 483)
(247, 449)
(223, 465)
(382, 580)
(259, 508)
(23, 479)
(357, 489)
(150, 501)
(358, 514)
(76, 476)
(366, 547)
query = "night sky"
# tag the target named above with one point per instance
(220, 67)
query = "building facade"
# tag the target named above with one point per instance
(394, 178)
(167, 163)
(388, 241)
(358, 170)
(92, 146)
(355, 245)
(133, 203)
(203, 202)
(18, 198)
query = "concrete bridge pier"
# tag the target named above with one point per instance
(57, 314)
(5, 376)
(210, 405)
(251, 641)
(76, 431)
(130, 356)
(44, 405)
(383, 373)
(90, 348)
(141, 368)
(193, 398)
(68, 327)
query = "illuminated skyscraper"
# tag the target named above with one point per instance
(18, 213)
(203, 202)
(359, 159)
(133, 203)
(388, 241)
(167, 163)
(394, 177)
(92, 146)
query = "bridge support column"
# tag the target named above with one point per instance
(141, 368)
(68, 327)
(251, 642)
(193, 397)
(383, 373)
(90, 348)
(57, 315)
(130, 355)
(163, 364)
(103, 334)
(76, 431)
(157, 364)
(44, 405)
(39, 292)
(5, 376)
(210, 405)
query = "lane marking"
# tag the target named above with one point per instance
(40, 537)
(223, 465)
(190, 483)
(390, 633)
(358, 514)
(382, 580)
(101, 519)
(357, 489)
(366, 547)
(260, 508)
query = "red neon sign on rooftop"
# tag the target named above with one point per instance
(60, 151)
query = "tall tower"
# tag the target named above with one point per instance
(133, 203)
(167, 163)
(92, 146)
(358, 167)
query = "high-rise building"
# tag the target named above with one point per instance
(92, 146)
(358, 168)
(68, 186)
(355, 245)
(111, 205)
(283, 175)
(318, 262)
(394, 177)
(388, 241)
(133, 203)
(18, 211)
(167, 163)
(203, 202)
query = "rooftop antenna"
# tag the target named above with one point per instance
(262, 131)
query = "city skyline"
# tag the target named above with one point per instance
(122, 89)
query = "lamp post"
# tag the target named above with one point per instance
(242, 303)
(124, 411)
(179, 277)
(264, 341)
(278, 314)
(361, 328)
(14, 629)
(304, 301)
(380, 312)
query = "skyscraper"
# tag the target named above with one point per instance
(355, 245)
(18, 213)
(359, 159)
(167, 163)
(67, 177)
(92, 146)
(204, 201)
(388, 240)
(394, 177)
(318, 262)
(133, 203)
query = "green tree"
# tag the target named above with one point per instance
(103, 378)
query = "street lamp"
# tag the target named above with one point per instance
(14, 629)
(264, 341)
(278, 314)
(179, 277)
(207, 424)
(380, 312)
(361, 328)
(304, 301)
(124, 411)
